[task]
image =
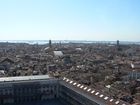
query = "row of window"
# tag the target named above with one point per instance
(6, 91)
(27, 90)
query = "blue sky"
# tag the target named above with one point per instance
(106, 20)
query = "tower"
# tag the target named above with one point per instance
(118, 42)
(118, 45)
(50, 43)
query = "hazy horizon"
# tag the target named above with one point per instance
(91, 20)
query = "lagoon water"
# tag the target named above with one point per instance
(66, 41)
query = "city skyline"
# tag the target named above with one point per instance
(96, 20)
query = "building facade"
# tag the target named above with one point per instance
(27, 89)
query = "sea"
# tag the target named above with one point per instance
(41, 42)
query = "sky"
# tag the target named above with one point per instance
(96, 20)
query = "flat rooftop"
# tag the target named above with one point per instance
(24, 78)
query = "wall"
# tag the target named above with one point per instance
(67, 95)
(27, 91)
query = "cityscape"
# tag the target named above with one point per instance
(69, 52)
(110, 69)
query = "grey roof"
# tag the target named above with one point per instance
(24, 78)
(58, 53)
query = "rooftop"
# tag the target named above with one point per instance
(58, 53)
(24, 78)
(97, 95)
